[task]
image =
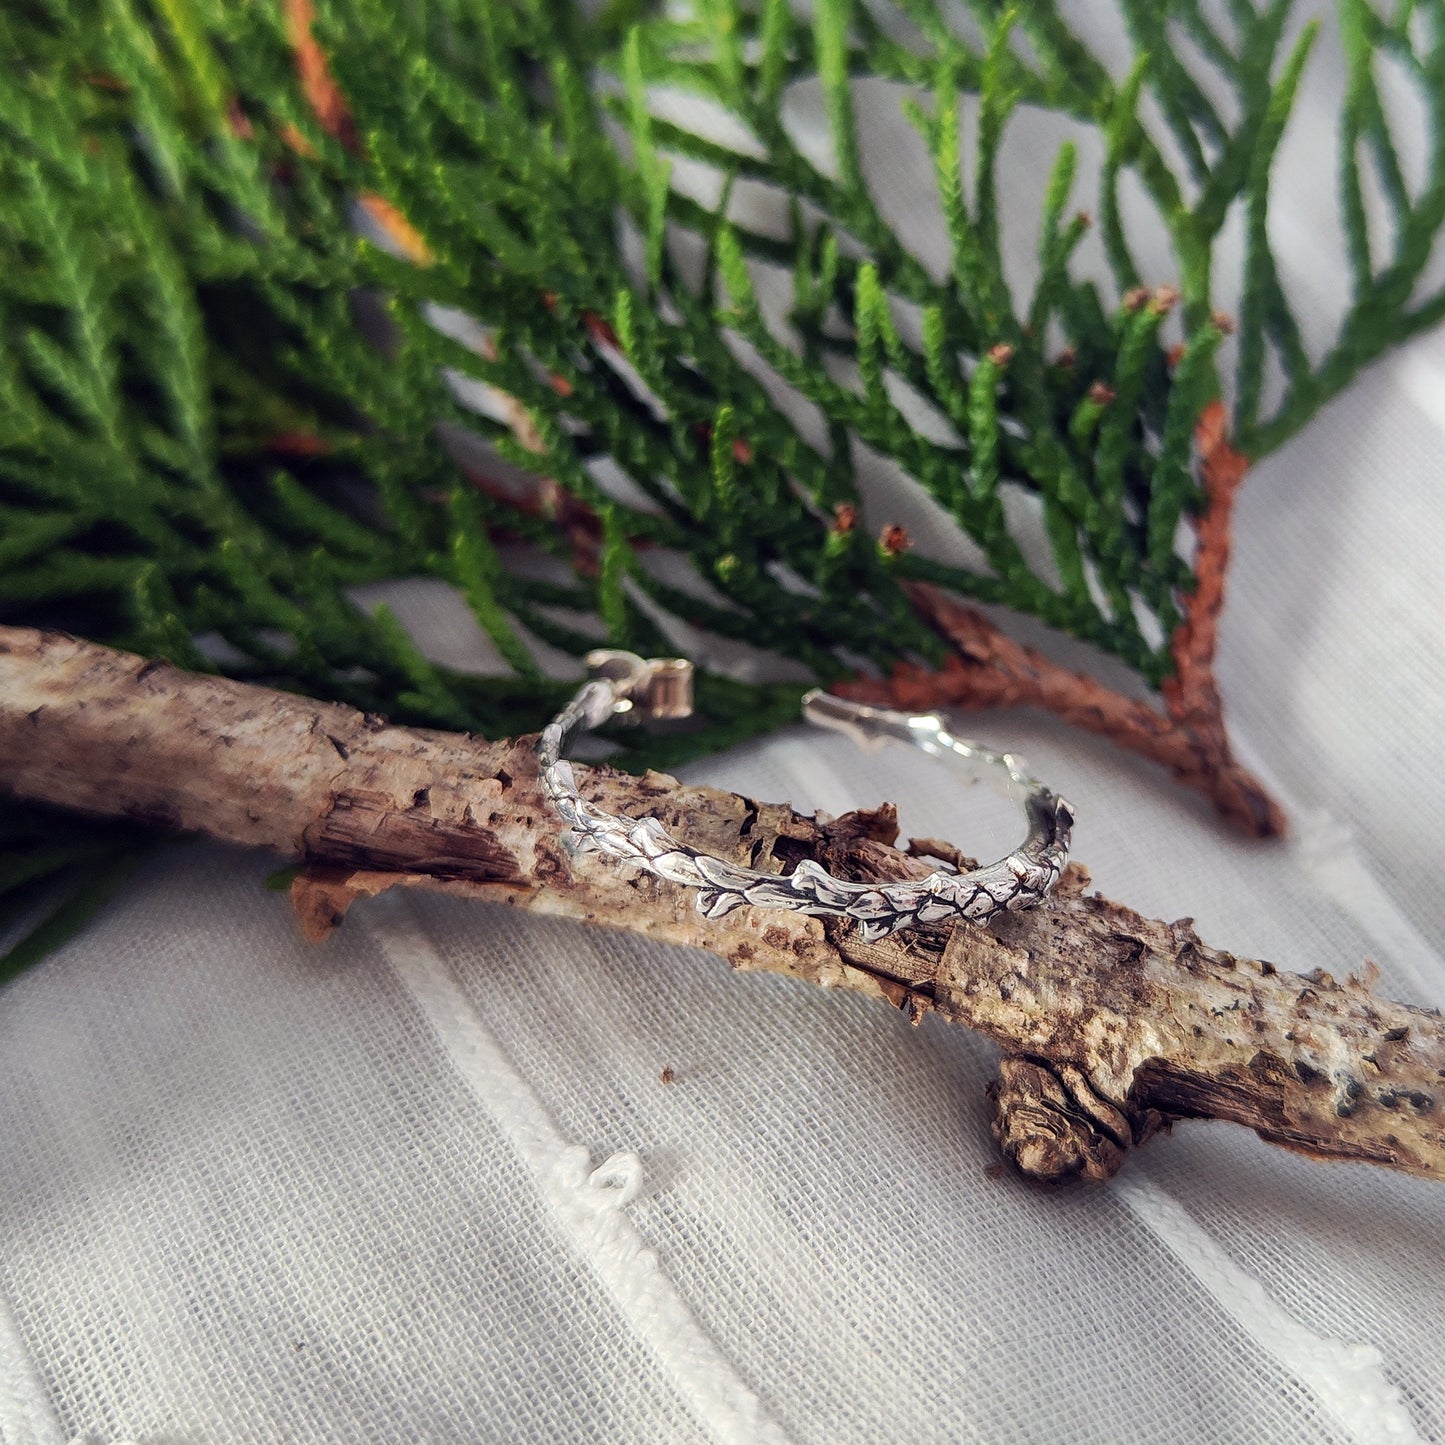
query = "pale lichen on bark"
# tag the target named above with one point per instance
(1112, 1025)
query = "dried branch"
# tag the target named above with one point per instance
(1113, 1025)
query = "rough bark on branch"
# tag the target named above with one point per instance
(1113, 1025)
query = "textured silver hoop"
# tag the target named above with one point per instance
(623, 683)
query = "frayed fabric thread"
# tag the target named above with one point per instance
(1348, 1380)
(26, 1415)
(589, 1202)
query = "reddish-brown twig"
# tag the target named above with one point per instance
(990, 669)
(1190, 696)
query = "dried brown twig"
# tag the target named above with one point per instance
(1113, 1025)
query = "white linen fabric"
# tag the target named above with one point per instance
(426, 1183)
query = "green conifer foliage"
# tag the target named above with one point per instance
(227, 401)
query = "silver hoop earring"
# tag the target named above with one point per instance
(623, 683)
